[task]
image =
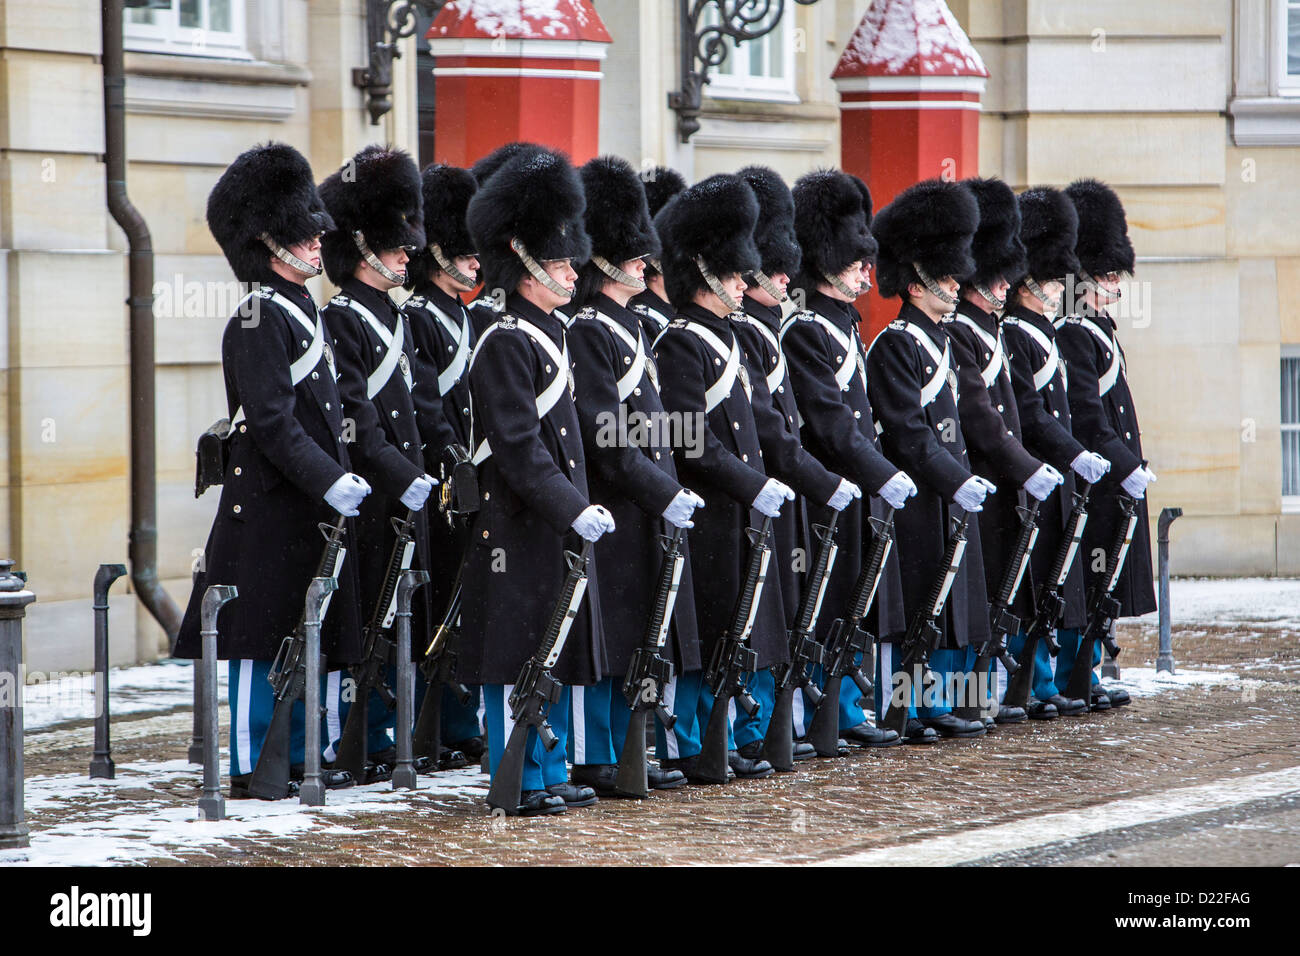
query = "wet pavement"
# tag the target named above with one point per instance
(1073, 791)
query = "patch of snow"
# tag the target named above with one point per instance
(1269, 603)
(150, 688)
(913, 37)
(1147, 681)
(521, 18)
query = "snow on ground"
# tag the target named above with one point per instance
(1272, 603)
(151, 688)
(111, 827)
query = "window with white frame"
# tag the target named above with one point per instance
(1291, 427)
(759, 69)
(1286, 46)
(188, 28)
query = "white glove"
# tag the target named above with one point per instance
(680, 509)
(415, 496)
(897, 490)
(1136, 483)
(844, 495)
(345, 495)
(772, 497)
(971, 495)
(1090, 467)
(1043, 482)
(593, 522)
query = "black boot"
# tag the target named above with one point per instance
(1011, 715)
(864, 735)
(747, 768)
(536, 803)
(239, 788)
(1041, 710)
(1067, 706)
(948, 725)
(689, 767)
(1118, 696)
(661, 779)
(599, 777)
(572, 794)
(804, 750)
(332, 779)
(472, 747)
(918, 733)
(1098, 699)
(449, 759)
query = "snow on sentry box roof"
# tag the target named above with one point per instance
(909, 38)
(519, 19)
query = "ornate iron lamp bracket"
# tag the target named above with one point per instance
(703, 46)
(387, 22)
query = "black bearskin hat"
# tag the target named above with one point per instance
(1103, 244)
(1049, 227)
(269, 189)
(661, 185)
(997, 249)
(447, 191)
(831, 214)
(713, 219)
(778, 246)
(537, 198)
(494, 160)
(618, 220)
(931, 224)
(378, 193)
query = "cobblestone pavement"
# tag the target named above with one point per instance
(1204, 736)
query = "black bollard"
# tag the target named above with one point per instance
(101, 762)
(404, 772)
(14, 598)
(312, 791)
(212, 805)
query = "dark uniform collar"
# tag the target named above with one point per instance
(843, 314)
(698, 313)
(450, 304)
(985, 320)
(548, 322)
(295, 293)
(377, 302)
(619, 313)
(650, 299)
(769, 315)
(935, 330)
(1030, 317)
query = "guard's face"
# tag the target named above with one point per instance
(467, 265)
(734, 284)
(999, 287)
(1106, 293)
(308, 251)
(561, 270)
(395, 260)
(1053, 289)
(635, 268)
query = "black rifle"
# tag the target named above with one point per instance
(288, 677)
(805, 652)
(439, 667)
(1001, 621)
(847, 639)
(535, 689)
(1103, 609)
(376, 651)
(924, 635)
(733, 659)
(1049, 608)
(648, 672)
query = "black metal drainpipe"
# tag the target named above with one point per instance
(143, 540)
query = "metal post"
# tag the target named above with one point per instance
(404, 772)
(101, 762)
(195, 754)
(312, 791)
(1165, 656)
(212, 805)
(14, 598)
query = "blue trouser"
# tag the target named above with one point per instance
(541, 768)
(1070, 640)
(1043, 687)
(591, 739)
(945, 663)
(747, 729)
(890, 680)
(681, 697)
(252, 701)
(381, 722)
(704, 713)
(851, 713)
(459, 721)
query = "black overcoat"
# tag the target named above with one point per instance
(991, 426)
(282, 459)
(839, 429)
(1108, 425)
(927, 443)
(630, 471)
(1045, 426)
(653, 312)
(389, 439)
(533, 487)
(721, 461)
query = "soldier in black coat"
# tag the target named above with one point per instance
(527, 225)
(375, 202)
(1047, 229)
(651, 304)
(439, 275)
(1102, 405)
(707, 235)
(288, 466)
(925, 236)
(822, 490)
(989, 419)
(630, 471)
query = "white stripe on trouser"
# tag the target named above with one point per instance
(731, 710)
(999, 681)
(579, 724)
(670, 736)
(333, 724)
(885, 692)
(481, 712)
(799, 728)
(241, 719)
(507, 719)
